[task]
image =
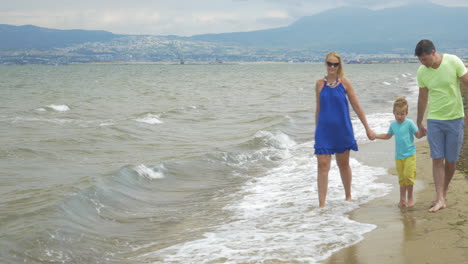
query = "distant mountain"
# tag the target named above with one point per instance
(362, 30)
(32, 37)
(391, 30)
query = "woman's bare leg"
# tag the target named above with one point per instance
(342, 159)
(323, 167)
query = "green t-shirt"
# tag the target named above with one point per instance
(443, 84)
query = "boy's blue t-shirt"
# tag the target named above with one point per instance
(404, 138)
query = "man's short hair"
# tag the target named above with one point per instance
(424, 47)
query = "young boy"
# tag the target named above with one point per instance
(405, 151)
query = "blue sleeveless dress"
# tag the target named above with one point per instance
(334, 130)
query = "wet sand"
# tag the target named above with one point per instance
(414, 235)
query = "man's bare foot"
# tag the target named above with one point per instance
(438, 206)
(410, 203)
(402, 204)
(435, 201)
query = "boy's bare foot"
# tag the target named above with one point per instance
(438, 206)
(402, 204)
(410, 203)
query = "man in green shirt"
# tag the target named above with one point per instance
(439, 79)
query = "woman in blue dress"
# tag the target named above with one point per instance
(334, 131)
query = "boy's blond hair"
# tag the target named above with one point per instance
(400, 103)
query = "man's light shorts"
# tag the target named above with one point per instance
(445, 138)
(406, 170)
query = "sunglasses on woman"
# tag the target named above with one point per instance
(330, 64)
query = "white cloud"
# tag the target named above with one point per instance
(214, 17)
(132, 16)
(277, 14)
(84, 19)
(178, 17)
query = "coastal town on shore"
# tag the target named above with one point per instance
(153, 49)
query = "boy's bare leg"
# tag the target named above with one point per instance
(323, 167)
(402, 202)
(438, 172)
(409, 193)
(342, 159)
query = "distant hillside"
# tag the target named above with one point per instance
(362, 30)
(32, 37)
(391, 30)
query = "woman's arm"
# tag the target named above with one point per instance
(357, 107)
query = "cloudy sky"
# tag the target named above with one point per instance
(177, 17)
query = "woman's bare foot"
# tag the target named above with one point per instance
(438, 206)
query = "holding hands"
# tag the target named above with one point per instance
(370, 134)
(422, 130)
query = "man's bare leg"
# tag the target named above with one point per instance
(449, 172)
(438, 172)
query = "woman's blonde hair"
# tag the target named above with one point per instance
(400, 103)
(336, 55)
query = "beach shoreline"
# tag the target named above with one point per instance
(412, 235)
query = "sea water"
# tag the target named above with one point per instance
(180, 163)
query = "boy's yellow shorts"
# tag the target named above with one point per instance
(406, 170)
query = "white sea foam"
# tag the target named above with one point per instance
(276, 217)
(150, 119)
(278, 140)
(386, 83)
(273, 146)
(149, 173)
(106, 124)
(59, 108)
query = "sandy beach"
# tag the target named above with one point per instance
(413, 235)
